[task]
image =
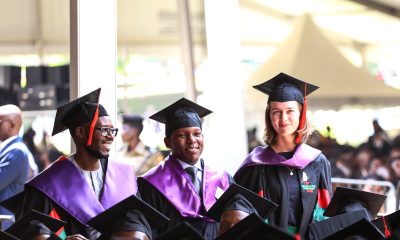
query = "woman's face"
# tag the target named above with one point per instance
(285, 117)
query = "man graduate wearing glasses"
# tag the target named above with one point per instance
(78, 187)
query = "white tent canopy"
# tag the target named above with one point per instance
(308, 55)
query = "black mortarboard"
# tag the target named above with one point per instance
(325, 228)
(183, 231)
(363, 229)
(242, 199)
(6, 236)
(253, 227)
(34, 223)
(389, 224)
(283, 88)
(133, 120)
(180, 114)
(14, 204)
(78, 112)
(348, 199)
(125, 216)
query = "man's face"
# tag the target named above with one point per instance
(101, 145)
(186, 144)
(129, 132)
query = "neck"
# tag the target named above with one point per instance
(86, 161)
(284, 144)
(133, 143)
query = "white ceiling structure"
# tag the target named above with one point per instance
(365, 33)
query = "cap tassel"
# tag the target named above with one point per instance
(92, 124)
(387, 232)
(303, 116)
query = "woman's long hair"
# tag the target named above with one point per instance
(270, 134)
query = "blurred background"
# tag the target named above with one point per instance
(167, 50)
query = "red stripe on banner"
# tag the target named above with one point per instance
(55, 215)
(323, 198)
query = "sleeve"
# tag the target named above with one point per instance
(13, 166)
(36, 200)
(249, 178)
(324, 190)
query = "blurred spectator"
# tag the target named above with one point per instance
(134, 152)
(252, 139)
(343, 164)
(15, 158)
(379, 142)
(361, 162)
(395, 171)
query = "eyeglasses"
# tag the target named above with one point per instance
(106, 131)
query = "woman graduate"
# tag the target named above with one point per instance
(288, 171)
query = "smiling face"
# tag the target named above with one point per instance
(285, 117)
(186, 144)
(101, 145)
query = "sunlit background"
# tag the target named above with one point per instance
(319, 41)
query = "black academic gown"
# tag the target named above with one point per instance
(272, 182)
(110, 194)
(155, 198)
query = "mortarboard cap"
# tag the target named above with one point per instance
(133, 120)
(325, 228)
(244, 200)
(389, 224)
(34, 223)
(14, 204)
(348, 199)
(253, 227)
(283, 88)
(183, 231)
(125, 211)
(78, 112)
(6, 236)
(363, 229)
(180, 114)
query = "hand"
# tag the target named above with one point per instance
(76, 237)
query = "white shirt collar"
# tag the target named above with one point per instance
(8, 140)
(186, 165)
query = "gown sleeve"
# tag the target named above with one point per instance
(324, 190)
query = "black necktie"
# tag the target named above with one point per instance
(192, 171)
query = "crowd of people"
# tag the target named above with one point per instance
(282, 190)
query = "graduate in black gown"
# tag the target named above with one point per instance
(183, 187)
(288, 171)
(78, 187)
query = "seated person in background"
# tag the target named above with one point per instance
(183, 187)
(133, 151)
(129, 219)
(78, 187)
(35, 226)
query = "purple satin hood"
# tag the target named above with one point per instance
(303, 155)
(64, 185)
(173, 182)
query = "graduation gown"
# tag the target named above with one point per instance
(169, 189)
(266, 173)
(62, 192)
